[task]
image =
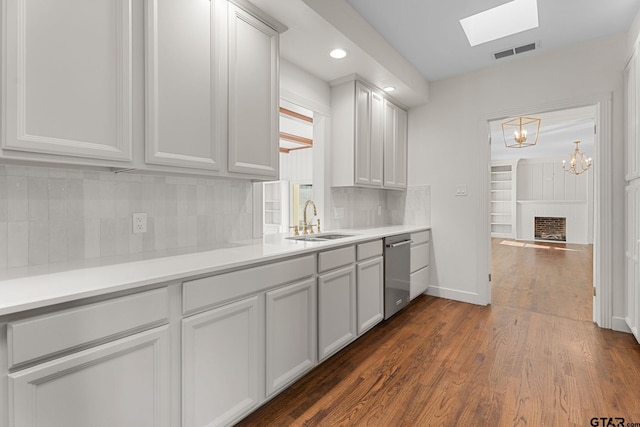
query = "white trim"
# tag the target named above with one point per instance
(603, 204)
(620, 324)
(454, 294)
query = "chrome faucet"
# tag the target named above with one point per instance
(315, 212)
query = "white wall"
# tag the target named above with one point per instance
(448, 146)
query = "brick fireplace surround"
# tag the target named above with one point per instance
(550, 228)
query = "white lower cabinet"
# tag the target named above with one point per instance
(121, 383)
(336, 310)
(419, 262)
(221, 363)
(370, 285)
(291, 333)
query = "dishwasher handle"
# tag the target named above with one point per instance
(395, 245)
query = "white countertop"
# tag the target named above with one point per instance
(35, 290)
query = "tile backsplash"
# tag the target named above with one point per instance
(50, 215)
(365, 207)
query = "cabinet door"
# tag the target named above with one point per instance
(632, 88)
(291, 333)
(68, 78)
(122, 383)
(362, 148)
(253, 95)
(221, 364)
(336, 310)
(370, 293)
(183, 95)
(377, 139)
(395, 146)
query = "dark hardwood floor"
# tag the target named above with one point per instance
(532, 358)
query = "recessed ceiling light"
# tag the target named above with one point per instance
(338, 53)
(389, 88)
(501, 21)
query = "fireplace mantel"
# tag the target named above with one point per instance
(575, 211)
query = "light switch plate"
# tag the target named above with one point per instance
(461, 190)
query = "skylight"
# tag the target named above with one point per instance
(501, 21)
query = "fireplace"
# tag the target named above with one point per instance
(550, 228)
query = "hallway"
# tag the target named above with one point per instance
(543, 277)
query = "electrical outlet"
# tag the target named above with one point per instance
(139, 223)
(461, 190)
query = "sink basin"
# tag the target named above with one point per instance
(320, 237)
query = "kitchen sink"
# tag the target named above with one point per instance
(320, 237)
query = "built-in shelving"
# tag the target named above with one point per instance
(502, 201)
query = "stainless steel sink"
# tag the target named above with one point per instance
(320, 237)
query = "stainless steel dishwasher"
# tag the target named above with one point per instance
(397, 273)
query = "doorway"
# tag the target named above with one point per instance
(549, 271)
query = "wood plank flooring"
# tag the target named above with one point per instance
(526, 360)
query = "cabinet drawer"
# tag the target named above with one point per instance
(420, 237)
(369, 250)
(419, 256)
(419, 282)
(37, 337)
(214, 290)
(336, 258)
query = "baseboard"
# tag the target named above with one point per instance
(620, 325)
(454, 294)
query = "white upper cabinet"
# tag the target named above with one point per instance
(395, 146)
(183, 92)
(369, 136)
(253, 95)
(68, 78)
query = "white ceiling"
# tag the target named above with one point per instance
(558, 130)
(407, 42)
(428, 33)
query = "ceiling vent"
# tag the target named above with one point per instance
(515, 51)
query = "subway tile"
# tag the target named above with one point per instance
(182, 232)
(192, 209)
(107, 237)
(4, 202)
(57, 173)
(4, 244)
(14, 170)
(75, 198)
(192, 230)
(38, 242)
(57, 198)
(123, 231)
(148, 238)
(171, 224)
(201, 197)
(107, 199)
(75, 239)
(17, 198)
(160, 195)
(92, 237)
(18, 241)
(122, 204)
(37, 172)
(92, 203)
(181, 200)
(160, 233)
(203, 230)
(58, 240)
(172, 200)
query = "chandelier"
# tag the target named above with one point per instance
(521, 132)
(577, 163)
